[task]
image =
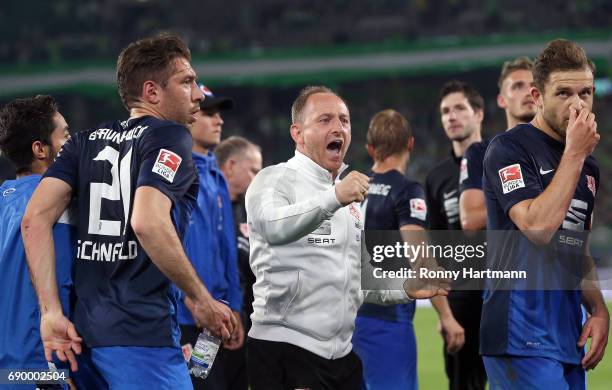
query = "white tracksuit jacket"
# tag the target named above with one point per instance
(306, 256)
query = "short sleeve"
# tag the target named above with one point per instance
(470, 174)
(510, 173)
(410, 206)
(167, 163)
(66, 164)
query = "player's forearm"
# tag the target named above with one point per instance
(440, 303)
(473, 218)
(161, 243)
(47, 203)
(593, 300)
(472, 210)
(547, 211)
(37, 236)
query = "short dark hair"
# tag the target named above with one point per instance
(471, 93)
(519, 63)
(559, 55)
(300, 102)
(388, 133)
(148, 59)
(23, 122)
(232, 146)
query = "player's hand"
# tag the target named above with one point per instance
(187, 350)
(453, 333)
(353, 188)
(59, 335)
(425, 290)
(581, 135)
(237, 338)
(596, 328)
(212, 315)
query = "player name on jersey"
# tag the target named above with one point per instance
(106, 251)
(116, 136)
(379, 189)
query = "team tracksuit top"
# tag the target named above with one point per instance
(306, 256)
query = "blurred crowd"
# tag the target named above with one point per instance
(62, 30)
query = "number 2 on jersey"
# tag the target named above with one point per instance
(119, 189)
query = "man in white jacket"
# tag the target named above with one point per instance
(305, 231)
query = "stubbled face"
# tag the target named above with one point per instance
(459, 119)
(324, 133)
(207, 128)
(516, 96)
(59, 136)
(562, 91)
(244, 168)
(180, 99)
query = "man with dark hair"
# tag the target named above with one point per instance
(32, 131)
(515, 82)
(394, 203)
(210, 241)
(539, 178)
(135, 185)
(461, 110)
(305, 237)
(240, 160)
(7, 170)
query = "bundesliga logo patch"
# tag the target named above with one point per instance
(511, 178)
(591, 184)
(167, 164)
(354, 211)
(418, 208)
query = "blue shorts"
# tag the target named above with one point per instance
(524, 372)
(388, 352)
(133, 368)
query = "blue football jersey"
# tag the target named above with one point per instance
(122, 298)
(519, 164)
(393, 201)
(470, 173)
(20, 344)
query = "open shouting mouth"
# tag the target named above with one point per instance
(335, 146)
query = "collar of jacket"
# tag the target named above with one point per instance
(206, 161)
(314, 169)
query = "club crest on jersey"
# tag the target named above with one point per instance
(418, 208)
(511, 178)
(463, 171)
(167, 164)
(354, 211)
(591, 184)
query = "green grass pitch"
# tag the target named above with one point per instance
(431, 366)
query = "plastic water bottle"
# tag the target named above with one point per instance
(203, 354)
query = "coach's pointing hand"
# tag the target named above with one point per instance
(353, 188)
